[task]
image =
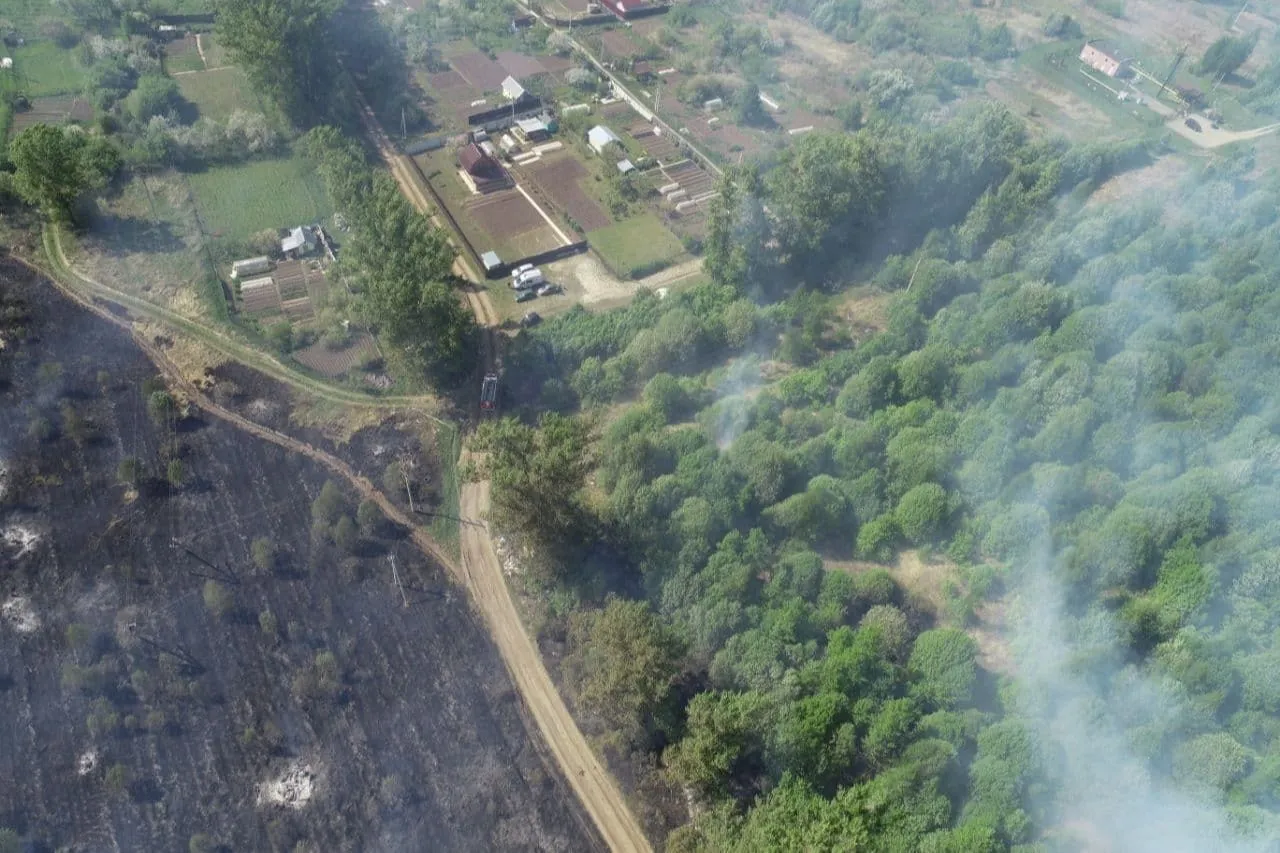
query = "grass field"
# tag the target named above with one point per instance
(24, 14)
(217, 94)
(214, 54)
(636, 247)
(44, 69)
(143, 239)
(236, 202)
(181, 56)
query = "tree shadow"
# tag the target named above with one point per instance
(123, 235)
(146, 791)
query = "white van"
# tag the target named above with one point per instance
(530, 278)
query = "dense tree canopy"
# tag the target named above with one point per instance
(284, 47)
(55, 166)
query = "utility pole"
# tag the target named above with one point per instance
(1236, 19)
(407, 489)
(395, 575)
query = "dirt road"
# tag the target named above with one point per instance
(481, 571)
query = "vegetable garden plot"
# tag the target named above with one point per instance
(559, 180)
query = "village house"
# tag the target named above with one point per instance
(481, 172)
(1100, 60)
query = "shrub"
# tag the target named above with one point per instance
(263, 551)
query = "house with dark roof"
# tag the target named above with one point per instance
(480, 171)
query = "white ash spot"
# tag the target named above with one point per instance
(507, 557)
(21, 539)
(87, 761)
(19, 613)
(261, 408)
(292, 790)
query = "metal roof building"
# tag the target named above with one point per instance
(600, 137)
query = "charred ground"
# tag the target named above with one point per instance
(157, 681)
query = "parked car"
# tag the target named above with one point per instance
(533, 318)
(520, 270)
(526, 295)
(1193, 124)
(548, 289)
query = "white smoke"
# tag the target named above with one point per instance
(1076, 695)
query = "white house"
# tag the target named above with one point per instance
(601, 137)
(512, 89)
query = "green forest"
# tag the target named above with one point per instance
(1070, 404)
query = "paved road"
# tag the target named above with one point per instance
(481, 571)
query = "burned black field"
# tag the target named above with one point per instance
(186, 651)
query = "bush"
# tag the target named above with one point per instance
(328, 504)
(263, 551)
(921, 512)
(217, 598)
(346, 535)
(201, 843)
(155, 95)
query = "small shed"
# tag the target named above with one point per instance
(601, 137)
(626, 167)
(492, 263)
(532, 129)
(299, 242)
(512, 89)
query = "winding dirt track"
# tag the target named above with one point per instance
(482, 574)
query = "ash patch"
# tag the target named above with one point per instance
(87, 762)
(19, 613)
(291, 790)
(21, 540)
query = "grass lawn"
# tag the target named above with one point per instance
(143, 239)
(214, 53)
(24, 14)
(636, 247)
(187, 60)
(217, 94)
(43, 69)
(236, 202)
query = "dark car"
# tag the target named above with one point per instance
(1193, 124)
(533, 318)
(526, 295)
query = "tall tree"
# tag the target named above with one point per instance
(283, 45)
(624, 660)
(1225, 56)
(826, 199)
(406, 289)
(55, 166)
(537, 475)
(739, 233)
